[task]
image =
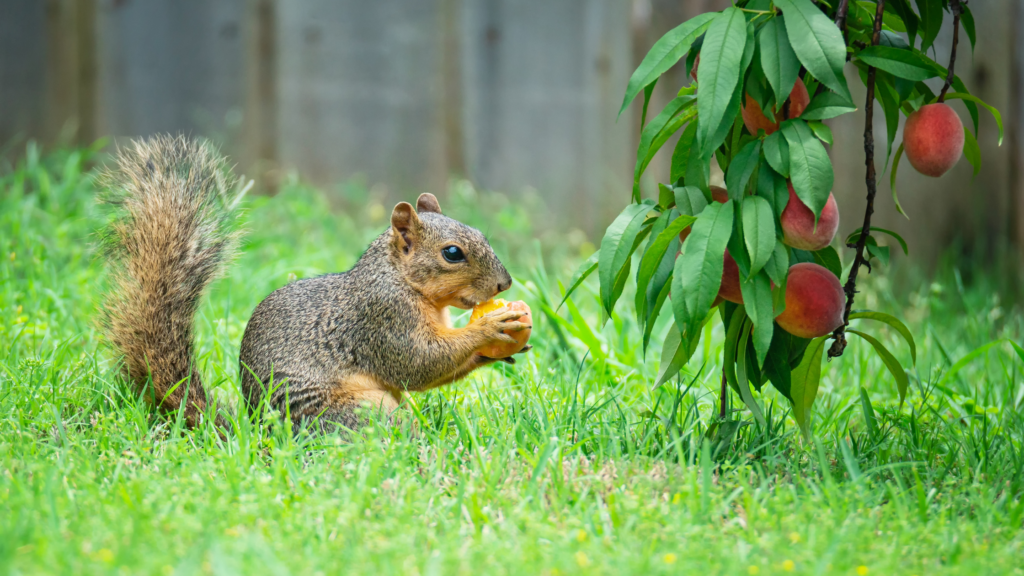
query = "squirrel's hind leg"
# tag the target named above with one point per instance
(350, 404)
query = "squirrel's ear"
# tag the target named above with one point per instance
(405, 224)
(428, 203)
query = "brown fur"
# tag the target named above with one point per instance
(321, 348)
(169, 241)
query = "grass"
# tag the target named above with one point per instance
(566, 463)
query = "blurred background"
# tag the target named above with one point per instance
(402, 96)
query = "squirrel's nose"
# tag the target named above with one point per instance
(505, 284)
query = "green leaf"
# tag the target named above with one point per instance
(890, 361)
(616, 248)
(823, 132)
(655, 255)
(660, 223)
(931, 21)
(742, 377)
(827, 105)
(898, 62)
(698, 168)
(976, 100)
(758, 231)
(776, 363)
(902, 9)
(818, 43)
(585, 269)
(778, 61)
(776, 151)
(829, 258)
(892, 40)
(664, 54)
(757, 299)
(810, 168)
(741, 169)
(970, 357)
(690, 200)
(972, 151)
(804, 384)
(657, 132)
(892, 181)
(654, 308)
(778, 265)
(772, 188)
(698, 270)
(681, 153)
(869, 414)
(719, 72)
(967, 20)
(880, 252)
(732, 111)
(675, 353)
(855, 235)
(886, 95)
(892, 321)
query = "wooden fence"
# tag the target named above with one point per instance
(513, 94)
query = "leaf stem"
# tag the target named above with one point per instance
(722, 410)
(839, 336)
(954, 6)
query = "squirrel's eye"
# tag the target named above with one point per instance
(453, 254)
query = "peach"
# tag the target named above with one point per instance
(933, 139)
(815, 301)
(798, 228)
(718, 194)
(730, 288)
(503, 349)
(754, 119)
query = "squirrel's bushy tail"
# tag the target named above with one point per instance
(175, 230)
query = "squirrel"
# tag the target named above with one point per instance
(319, 349)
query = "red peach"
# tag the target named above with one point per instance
(933, 139)
(798, 228)
(730, 288)
(815, 301)
(754, 119)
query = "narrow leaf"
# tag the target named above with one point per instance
(681, 153)
(818, 43)
(827, 105)
(655, 253)
(890, 361)
(804, 384)
(972, 151)
(967, 20)
(895, 323)
(810, 168)
(892, 181)
(698, 270)
(931, 21)
(898, 62)
(741, 169)
(757, 299)
(823, 132)
(616, 248)
(719, 71)
(776, 151)
(758, 231)
(664, 55)
(778, 61)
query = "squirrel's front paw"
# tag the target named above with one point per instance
(497, 323)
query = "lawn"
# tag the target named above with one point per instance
(569, 462)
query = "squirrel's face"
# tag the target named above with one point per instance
(448, 262)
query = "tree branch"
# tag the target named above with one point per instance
(839, 343)
(954, 6)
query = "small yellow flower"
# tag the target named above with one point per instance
(582, 559)
(677, 498)
(581, 536)
(862, 571)
(788, 565)
(13, 256)
(233, 532)
(794, 537)
(669, 558)
(105, 555)
(753, 570)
